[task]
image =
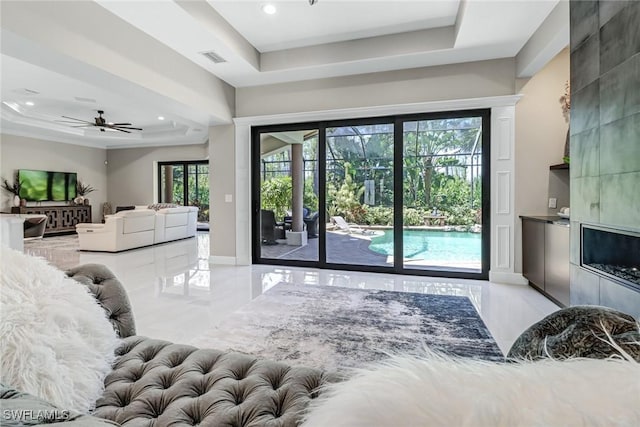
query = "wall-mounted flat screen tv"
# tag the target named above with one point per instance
(44, 186)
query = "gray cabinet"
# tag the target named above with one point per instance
(556, 262)
(59, 218)
(533, 252)
(545, 256)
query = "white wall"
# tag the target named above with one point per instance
(133, 172)
(541, 132)
(19, 152)
(445, 82)
(222, 171)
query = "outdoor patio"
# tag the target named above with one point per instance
(343, 248)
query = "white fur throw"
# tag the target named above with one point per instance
(436, 391)
(56, 340)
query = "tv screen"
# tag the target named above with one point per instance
(43, 186)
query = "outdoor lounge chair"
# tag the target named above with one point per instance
(349, 227)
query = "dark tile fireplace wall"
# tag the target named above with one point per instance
(605, 137)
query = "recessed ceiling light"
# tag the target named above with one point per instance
(269, 9)
(160, 117)
(30, 104)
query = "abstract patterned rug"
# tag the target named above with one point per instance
(335, 328)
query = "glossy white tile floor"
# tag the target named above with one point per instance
(177, 295)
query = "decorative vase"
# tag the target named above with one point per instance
(23, 203)
(86, 202)
(16, 201)
(78, 200)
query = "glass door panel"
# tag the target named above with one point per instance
(359, 195)
(198, 189)
(289, 195)
(442, 194)
(186, 184)
(172, 183)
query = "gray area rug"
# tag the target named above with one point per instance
(336, 328)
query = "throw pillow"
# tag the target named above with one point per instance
(440, 391)
(158, 206)
(57, 343)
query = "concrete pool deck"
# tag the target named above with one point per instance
(343, 248)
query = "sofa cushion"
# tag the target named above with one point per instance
(176, 384)
(56, 340)
(178, 210)
(135, 213)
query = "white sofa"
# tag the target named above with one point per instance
(139, 227)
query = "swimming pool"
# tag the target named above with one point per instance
(432, 245)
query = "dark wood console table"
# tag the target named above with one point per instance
(60, 219)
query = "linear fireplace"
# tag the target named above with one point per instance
(612, 253)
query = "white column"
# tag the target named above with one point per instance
(502, 267)
(297, 187)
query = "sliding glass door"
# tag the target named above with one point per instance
(442, 194)
(186, 183)
(403, 194)
(359, 194)
(288, 195)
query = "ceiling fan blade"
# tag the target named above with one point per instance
(121, 130)
(78, 120)
(81, 126)
(126, 127)
(120, 124)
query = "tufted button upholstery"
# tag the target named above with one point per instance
(110, 293)
(157, 383)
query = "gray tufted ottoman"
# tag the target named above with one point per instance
(158, 383)
(579, 331)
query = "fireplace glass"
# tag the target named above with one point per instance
(612, 253)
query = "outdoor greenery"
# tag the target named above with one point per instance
(197, 188)
(441, 173)
(276, 196)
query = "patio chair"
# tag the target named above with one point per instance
(270, 229)
(311, 223)
(348, 226)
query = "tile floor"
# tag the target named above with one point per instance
(177, 295)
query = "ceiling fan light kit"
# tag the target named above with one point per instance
(100, 123)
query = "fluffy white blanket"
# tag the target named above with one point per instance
(56, 340)
(436, 391)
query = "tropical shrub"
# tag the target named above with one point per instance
(275, 195)
(378, 215)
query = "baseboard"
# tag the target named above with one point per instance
(508, 278)
(222, 260)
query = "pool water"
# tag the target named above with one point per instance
(432, 245)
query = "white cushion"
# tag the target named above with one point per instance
(57, 342)
(135, 213)
(181, 209)
(438, 391)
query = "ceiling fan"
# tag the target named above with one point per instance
(100, 123)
